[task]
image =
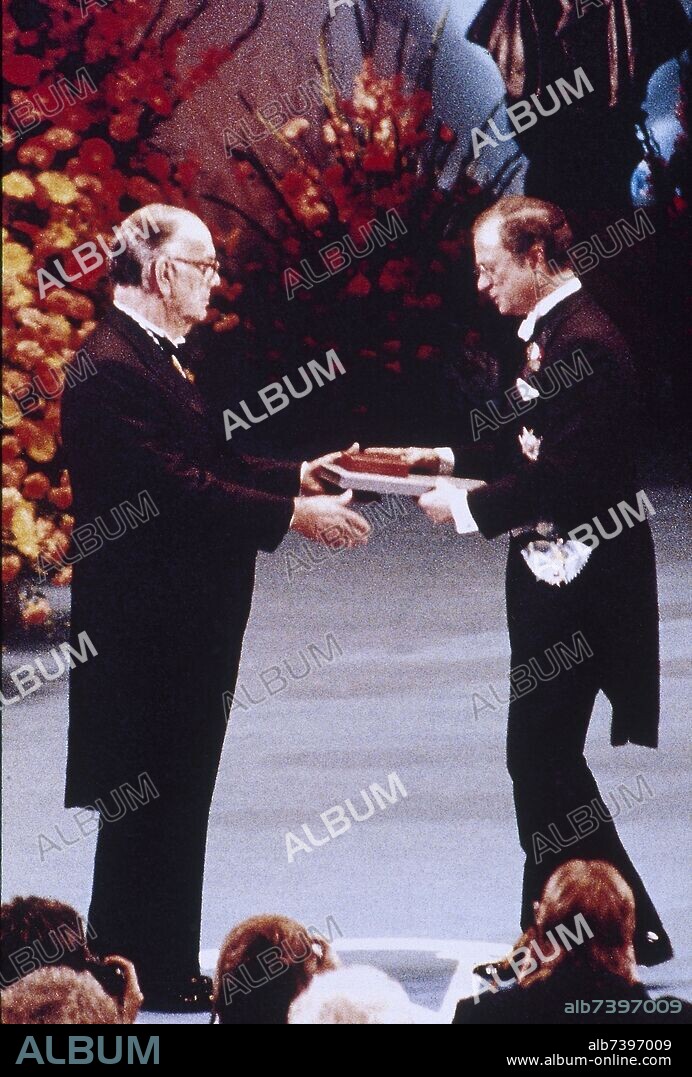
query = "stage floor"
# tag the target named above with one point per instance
(387, 646)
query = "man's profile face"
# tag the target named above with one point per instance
(192, 259)
(509, 281)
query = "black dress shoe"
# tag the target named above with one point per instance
(193, 995)
(652, 948)
(499, 974)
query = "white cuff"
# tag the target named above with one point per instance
(446, 458)
(459, 508)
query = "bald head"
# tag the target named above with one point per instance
(164, 267)
(154, 230)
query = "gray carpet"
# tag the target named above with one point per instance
(417, 626)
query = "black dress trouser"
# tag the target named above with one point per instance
(146, 901)
(560, 812)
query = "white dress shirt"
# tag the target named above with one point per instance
(153, 331)
(528, 326)
(458, 499)
(146, 325)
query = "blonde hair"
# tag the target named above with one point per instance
(58, 996)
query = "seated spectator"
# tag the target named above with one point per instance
(358, 995)
(39, 933)
(58, 996)
(581, 948)
(264, 964)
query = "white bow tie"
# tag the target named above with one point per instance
(526, 391)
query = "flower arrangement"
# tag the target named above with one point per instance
(86, 91)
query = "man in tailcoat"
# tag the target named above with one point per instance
(559, 478)
(169, 521)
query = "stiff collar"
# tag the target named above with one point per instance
(528, 326)
(146, 325)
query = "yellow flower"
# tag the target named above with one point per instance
(58, 187)
(16, 259)
(18, 185)
(59, 236)
(60, 138)
(11, 415)
(56, 326)
(24, 529)
(29, 352)
(15, 295)
(295, 128)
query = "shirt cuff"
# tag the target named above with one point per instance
(303, 469)
(459, 508)
(446, 458)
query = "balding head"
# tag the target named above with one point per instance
(150, 231)
(164, 267)
(518, 243)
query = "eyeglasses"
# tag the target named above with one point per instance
(482, 271)
(208, 269)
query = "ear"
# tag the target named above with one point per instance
(536, 257)
(161, 277)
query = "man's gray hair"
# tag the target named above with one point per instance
(141, 236)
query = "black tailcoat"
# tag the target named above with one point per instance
(585, 468)
(166, 600)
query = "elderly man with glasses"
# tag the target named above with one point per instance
(176, 519)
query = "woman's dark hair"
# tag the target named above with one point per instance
(35, 932)
(277, 955)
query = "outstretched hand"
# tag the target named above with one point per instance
(311, 482)
(436, 505)
(326, 519)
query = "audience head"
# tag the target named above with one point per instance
(58, 996)
(358, 995)
(264, 964)
(594, 891)
(37, 933)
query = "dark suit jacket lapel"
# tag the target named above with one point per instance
(158, 365)
(549, 325)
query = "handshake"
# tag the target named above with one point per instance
(325, 517)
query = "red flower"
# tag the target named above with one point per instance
(160, 101)
(23, 69)
(124, 126)
(359, 286)
(157, 165)
(426, 351)
(142, 189)
(96, 155)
